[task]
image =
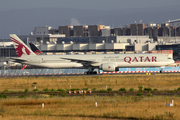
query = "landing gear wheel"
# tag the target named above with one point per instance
(90, 72)
(94, 72)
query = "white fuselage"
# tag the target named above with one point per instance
(120, 60)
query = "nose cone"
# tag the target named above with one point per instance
(172, 61)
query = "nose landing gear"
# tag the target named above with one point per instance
(161, 71)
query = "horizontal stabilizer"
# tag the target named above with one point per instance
(18, 60)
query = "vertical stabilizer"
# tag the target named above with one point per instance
(21, 48)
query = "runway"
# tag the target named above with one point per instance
(107, 74)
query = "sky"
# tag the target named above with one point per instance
(21, 16)
(85, 4)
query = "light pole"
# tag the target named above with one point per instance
(175, 32)
(136, 32)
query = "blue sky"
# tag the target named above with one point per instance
(85, 4)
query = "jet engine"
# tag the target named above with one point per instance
(110, 67)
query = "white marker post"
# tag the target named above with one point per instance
(170, 104)
(96, 104)
(42, 105)
(34, 87)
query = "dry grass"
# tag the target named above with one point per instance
(161, 82)
(83, 107)
(29, 117)
(113, 107)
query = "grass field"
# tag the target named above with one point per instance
(83, 107)
(161, 82)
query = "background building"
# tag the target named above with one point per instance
(82, 38)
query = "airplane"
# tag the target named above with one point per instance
(105, 62)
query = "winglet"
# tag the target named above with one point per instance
(21, 48)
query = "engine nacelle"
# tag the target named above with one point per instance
(110, 67)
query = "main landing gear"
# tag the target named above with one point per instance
(90, 71)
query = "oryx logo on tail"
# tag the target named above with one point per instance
(20, 48)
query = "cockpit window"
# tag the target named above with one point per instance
(169, 58)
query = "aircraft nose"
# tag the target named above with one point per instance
(172, 61)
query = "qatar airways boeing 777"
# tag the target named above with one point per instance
(105, 62)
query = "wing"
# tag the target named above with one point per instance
(84, 62)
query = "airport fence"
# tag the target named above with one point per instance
(144, 70)
(19, 72)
